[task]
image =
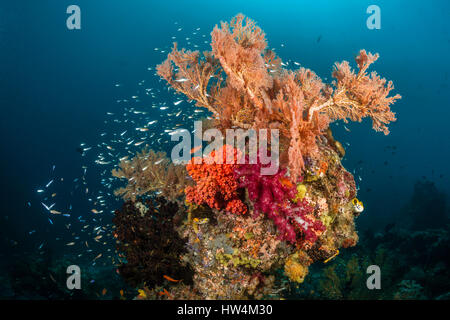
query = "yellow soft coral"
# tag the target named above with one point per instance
(296, 266)
(301, 192)
(327, 219)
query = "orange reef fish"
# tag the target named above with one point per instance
(170, 279)
(286, 182)
(165, 292)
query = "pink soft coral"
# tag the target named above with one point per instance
(273, 196)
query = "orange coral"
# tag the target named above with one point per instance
(244, 85)
(360, 95)
(216, 185)
(296, 267)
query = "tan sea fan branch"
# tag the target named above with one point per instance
(148, 172)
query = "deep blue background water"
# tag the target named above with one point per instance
(57, 84)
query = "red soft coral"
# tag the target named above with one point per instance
(216, 185)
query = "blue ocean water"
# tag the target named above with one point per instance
(57, 85)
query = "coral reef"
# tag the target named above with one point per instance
(234, 258)
(408, 272)
(413, 262)
(237, 228)
(409, 290)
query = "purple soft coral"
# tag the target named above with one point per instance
(273, 196)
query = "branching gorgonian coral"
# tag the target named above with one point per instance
(243, 84)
